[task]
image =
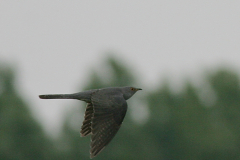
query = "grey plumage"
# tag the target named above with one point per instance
(105, 111)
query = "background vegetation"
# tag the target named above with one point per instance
(198, 123)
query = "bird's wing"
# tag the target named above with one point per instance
(86, 126)
(108, 114)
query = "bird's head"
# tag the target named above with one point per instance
(128, 92)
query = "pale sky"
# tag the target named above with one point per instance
(55, 44)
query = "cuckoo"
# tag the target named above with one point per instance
(105, 111)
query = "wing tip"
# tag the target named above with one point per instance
(92, 156)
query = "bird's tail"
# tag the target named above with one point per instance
(59, 96)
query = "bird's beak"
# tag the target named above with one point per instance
(139, 89)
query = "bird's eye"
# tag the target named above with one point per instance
(132, 89)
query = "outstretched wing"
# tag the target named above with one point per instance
(86, 127)
(108, 114)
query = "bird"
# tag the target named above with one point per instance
(104, 114)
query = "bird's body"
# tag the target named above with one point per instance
(106, 109)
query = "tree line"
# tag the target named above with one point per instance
(199, 123)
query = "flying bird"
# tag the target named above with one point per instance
(105, 111)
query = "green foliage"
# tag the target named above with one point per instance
(190, 130)
(179, 126)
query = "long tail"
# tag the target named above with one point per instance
(59, 96)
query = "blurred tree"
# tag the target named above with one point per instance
(187, 129)
(226, 113)
(21, 137)
(180, 126)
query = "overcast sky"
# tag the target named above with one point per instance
(54, 44)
